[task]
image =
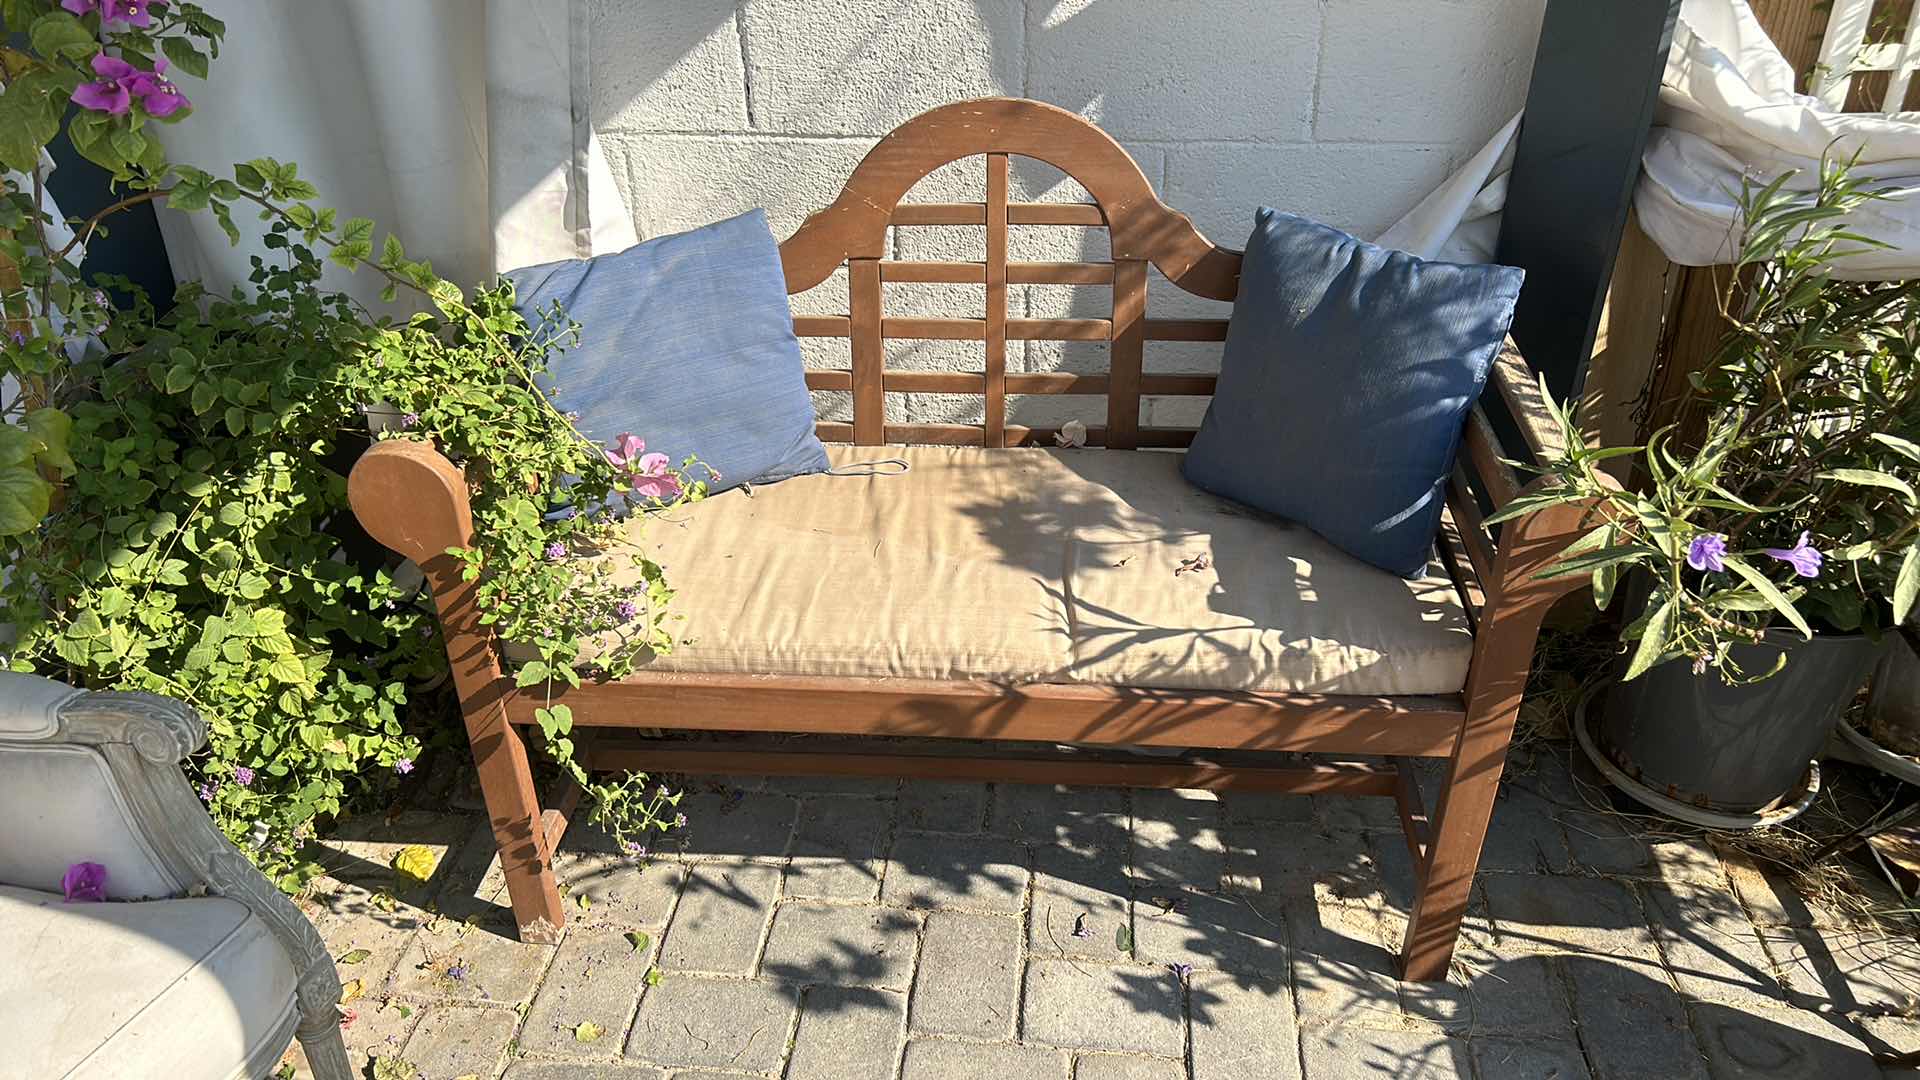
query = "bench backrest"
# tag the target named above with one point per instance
(1142, 230)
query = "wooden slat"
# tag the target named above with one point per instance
(1483, 454)
(1453, 556)
(1186, 329)
(995, 413)
(821, 326)
(1472, 524)
(1059, 329)
(1056, 382)
(1179, 385)
(1055, 214)
(1419, 726)
(935, 329)
(1123, 372)
(937, 434)
(1060, 273)
(953, 273)
(1029, 765)
(1520, 389)
(833, 379)
(934, 382)
(1413, 813)
(940, 214)
(833, 432)
(973, 213)
(869, 353)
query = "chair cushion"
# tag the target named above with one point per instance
(687, 342)
(1027, 566)
(182, 989)
(61, 805)
(1347, 376)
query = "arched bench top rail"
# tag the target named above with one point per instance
(1142, 227)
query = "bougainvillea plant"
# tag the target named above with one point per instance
(172, 492)
(1799, 508)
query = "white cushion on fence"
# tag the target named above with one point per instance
(1028, 566)
(179, 989)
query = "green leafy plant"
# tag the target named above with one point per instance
(1796, 506)
(172, 503)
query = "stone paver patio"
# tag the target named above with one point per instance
(822, 928)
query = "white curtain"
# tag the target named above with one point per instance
(1729, 113)
(461, 125)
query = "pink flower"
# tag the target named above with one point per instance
(242, 775)
(120, 83)
(131, 12)
(626, 448)
(85, 881)
(650, 477)
(111, 93)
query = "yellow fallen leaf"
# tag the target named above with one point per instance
(586, 1032)
(353, 989)
(416, 861)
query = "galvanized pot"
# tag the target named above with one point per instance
(1735, 749)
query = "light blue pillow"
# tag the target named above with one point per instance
(1345, 383)
(687, 342)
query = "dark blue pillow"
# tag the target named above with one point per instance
(687, 342)
(1348, 372)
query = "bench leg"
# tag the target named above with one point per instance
(506, 781)
(1460, 828)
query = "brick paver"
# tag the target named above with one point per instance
(923, 931)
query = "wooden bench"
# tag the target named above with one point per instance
(414, 501)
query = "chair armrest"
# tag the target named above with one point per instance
(1519, 388)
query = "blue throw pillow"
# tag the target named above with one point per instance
(1348, 372)
(687, 342)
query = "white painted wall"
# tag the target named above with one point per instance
(1344, 110)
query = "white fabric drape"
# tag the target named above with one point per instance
(1729, 114)
(450, 122)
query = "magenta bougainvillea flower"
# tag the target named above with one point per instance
(110, 93)
(131, 12)
(647, 474)
(121, 84)
(243, 776)
(1707, 552)
(84, 881)
(1801, 556)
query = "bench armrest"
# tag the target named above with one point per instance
(1519, 388)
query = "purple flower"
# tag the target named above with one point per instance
(1080, 927)
(84, 881)
(158, 96)
(408, 420)
(19, 336)
(131, 12)
(1707, 551)
(403, 766)
(1180, 971)
(679, 821)
(206, 793)
(243, 776)
(458, 972)
(626, 609)
(634, 848)
(1801, 556)
(120, 83)
(556, 551)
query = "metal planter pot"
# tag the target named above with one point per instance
(1735, 749)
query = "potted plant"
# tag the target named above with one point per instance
(1773, 540)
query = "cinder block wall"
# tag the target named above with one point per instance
(1344, 110)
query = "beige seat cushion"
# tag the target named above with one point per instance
(181, 989)
(1041, 566)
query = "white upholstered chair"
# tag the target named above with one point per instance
(196, 966)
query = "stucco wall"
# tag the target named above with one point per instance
(1345, 110)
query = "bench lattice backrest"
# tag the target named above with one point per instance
(1141, 229)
